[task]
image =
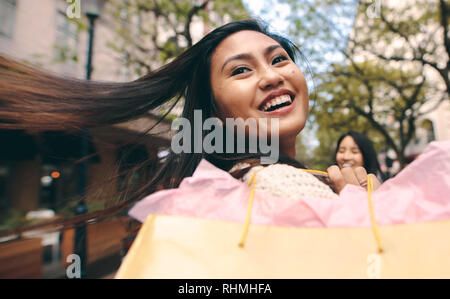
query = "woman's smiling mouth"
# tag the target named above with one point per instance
(278, 102)
(347, 165)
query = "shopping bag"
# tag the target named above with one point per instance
(194, 231)
(184, 247)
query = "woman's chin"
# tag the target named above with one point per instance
(291, 128)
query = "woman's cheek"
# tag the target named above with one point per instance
(361, 160)
(293, 71)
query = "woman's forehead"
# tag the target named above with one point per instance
(349, 141)
(246, 41)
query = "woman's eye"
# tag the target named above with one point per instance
(279, 59)
(240, 70)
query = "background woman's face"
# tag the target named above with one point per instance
(349, 154)
(252, 76)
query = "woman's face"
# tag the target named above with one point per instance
(252, 76)
(349, 154)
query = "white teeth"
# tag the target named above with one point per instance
(277, 101)
(347, 165)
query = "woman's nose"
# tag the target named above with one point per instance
(348, 156)
(270, 78)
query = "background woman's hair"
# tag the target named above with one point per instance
(367, 150)
(36, 100)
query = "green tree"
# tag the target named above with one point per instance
(383, 79)
(422, 26)
(150, 33)
(379, 100)
(407, 32)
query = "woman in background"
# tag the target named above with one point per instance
(356, 150)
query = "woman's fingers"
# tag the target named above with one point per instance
(357, 176)
(376, 182)
(350, 176)
(361, 175)
(336, 178)
(340, 178)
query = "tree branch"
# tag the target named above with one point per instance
(192, 12)
(397, 31)
(377, 127)
(438, 103)
(444, 22)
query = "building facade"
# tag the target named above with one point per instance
(41, 33)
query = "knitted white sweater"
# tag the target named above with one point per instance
(287, 181)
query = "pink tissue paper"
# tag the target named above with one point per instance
(419, 193)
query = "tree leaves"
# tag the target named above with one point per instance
(150, 33)
(380, 88)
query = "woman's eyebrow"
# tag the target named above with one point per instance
(248, 56)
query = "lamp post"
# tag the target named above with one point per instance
(92, 9)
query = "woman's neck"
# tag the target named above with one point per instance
(287, 147)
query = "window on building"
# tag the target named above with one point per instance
(7, 17)
(427, 125)
(60, 173)
(58, 186)
(66, 41)
(129, 157)
(4, 200)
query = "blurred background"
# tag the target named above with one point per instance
(378, 67)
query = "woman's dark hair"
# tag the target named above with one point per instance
(36, 101)
(367, 150)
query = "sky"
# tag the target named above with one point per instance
(276, 13)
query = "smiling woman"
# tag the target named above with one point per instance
(252, 76)
(355, 150)
(239, 71)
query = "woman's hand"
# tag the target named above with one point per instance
(348, 175)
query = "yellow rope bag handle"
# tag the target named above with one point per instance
(249, 209)
(252, 181)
